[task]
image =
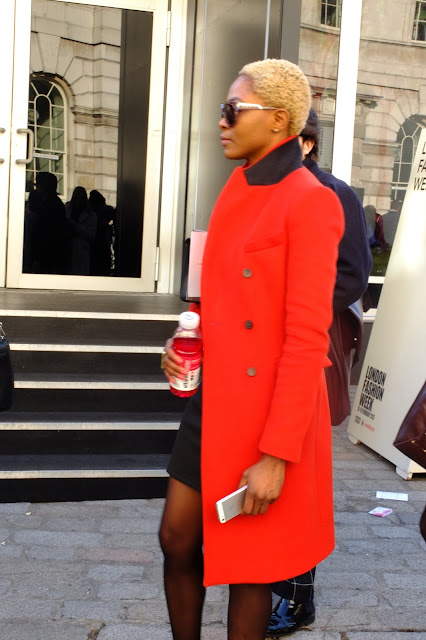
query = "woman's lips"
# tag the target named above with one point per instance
(224, 141)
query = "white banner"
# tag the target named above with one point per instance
(394, 368)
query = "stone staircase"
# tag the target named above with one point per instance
(90, 401)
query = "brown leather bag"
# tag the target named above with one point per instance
(345, 345)
(411, 437)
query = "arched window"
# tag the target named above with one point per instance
(46, 117)
(408, 138)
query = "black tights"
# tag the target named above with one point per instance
(181, 541)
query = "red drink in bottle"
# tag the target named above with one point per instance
(188, 345)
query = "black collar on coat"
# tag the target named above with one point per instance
(276, 165)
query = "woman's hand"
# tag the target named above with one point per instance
(171, 363)
(264, 482)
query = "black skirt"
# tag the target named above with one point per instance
(185, 461)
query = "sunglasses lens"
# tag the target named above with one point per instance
(229, 113)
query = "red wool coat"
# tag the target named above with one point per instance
(268, 275)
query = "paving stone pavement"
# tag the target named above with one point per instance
(93, 570)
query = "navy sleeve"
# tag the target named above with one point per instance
(354, 261)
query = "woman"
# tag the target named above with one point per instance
(266, 304)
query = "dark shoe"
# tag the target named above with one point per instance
(288, 617)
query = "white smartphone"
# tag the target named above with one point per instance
(231, 505)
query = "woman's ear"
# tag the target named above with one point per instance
(308, 145)
(281, 120)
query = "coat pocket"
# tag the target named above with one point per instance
(267, 242)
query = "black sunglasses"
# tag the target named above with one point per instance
(230, 110)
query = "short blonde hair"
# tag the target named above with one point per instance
(280, 83)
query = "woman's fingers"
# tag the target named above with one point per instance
(263, 508)
(253, 506)
(258, 508)
(264, 482)
(172, 363)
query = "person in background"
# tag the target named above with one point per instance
(268, 274)
(296, 604)
(82, 221)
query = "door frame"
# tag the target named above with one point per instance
(163, 119)
(6, 46)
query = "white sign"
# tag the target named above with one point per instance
(394, 368)
(196, 252)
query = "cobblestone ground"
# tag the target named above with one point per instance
(93, 570)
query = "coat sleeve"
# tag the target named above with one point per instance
(354, 261)
(313, 237)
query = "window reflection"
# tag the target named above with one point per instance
(390, 105)
(88, 108)
(419, 25)
(407, 139)
(331, 12)
(46, 119)
(390, 114)
(318, 57)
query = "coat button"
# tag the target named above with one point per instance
(247, 273)
(248, 324)
(251, 372)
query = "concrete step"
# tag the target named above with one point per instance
(70, 396)
(21, 467)
(62, 441)
(88, 362)
(98, 329)
(87, 381)
(91, 404)
(89, 346)
(87, 421)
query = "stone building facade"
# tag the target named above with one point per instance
(77, 48)
(391, 93)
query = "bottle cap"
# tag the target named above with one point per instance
(189, 320)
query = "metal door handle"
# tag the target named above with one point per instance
(2, 130)
(30, 146)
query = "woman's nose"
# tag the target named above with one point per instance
(223, 124)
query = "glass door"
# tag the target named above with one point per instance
(88, 92)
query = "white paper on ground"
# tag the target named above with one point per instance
(380, 512)
(389, 495)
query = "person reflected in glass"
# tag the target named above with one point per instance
(46, 236)
(380, 249)
(370, 214)
(268, 275)
(390, 222)
(82, 221)
(103, 244)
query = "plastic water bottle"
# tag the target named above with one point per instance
(187, 344)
